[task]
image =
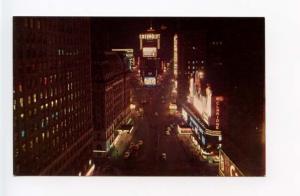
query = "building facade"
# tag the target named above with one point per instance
(111, 100)
(150, 61)
(51, 96)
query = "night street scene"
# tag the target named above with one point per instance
(138, 96)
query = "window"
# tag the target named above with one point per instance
(29, 100)
(45, 81)
(15, 103)
(22, 134)
(34, 98)
(20, 88)
(21, 102)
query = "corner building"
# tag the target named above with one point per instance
(52, 114)
(111, 100)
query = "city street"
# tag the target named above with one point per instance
(151, 126)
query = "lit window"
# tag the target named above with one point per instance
(34, 98)
(24, 147)
(45, 80)
(46, 105)
(22, 133)
(22, 115)
(20, 88)
(42, 107)
(43, 136)
(29, 99)
(52, 103)
(21, 102)
(42, 124)
(15, 103)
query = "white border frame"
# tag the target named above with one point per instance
(282, 100)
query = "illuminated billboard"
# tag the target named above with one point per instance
(175, 55)
(149, 52)
(201, 97)
(150, 38)
(227, 167)
(150, 81)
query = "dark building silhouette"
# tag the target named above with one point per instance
(52, 96)
(111, 99)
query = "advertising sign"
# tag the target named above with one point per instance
(150, 81)
(227, 167)
(149, 52)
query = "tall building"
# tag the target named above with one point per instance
(150, 61)
(111, 99)
(52, 111)
(129, 56)
(192, 56)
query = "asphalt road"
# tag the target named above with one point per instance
(151, 127)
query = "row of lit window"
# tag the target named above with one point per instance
(217, 43)
(36, 23)
(66, 111)
(51, 79)
(195, 62)
(62, 52)
(30, 145)
(55, 130)
(33, 99)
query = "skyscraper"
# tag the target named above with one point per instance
(52, 96)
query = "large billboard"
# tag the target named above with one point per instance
(150, 81)
(227, 167)
(201, 96)
(149, 52)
